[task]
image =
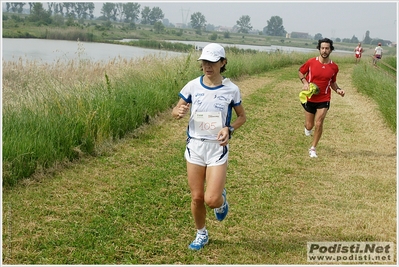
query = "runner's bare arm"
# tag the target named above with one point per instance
(181, 109)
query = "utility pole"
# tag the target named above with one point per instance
(184, 19)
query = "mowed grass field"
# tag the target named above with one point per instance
(132, 205)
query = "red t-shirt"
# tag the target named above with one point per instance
(323, 75)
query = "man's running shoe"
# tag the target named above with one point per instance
(221, 212)
(308, 132)
(200, 241)
(312, 153)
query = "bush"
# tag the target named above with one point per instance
(179, 33)
(58, 20)
(132, 26)
(213, 37)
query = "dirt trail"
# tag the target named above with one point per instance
(355, 118)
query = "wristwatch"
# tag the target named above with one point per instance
(231, 130)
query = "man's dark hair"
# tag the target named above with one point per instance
(325, 40)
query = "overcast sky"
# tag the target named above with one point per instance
(332, 19)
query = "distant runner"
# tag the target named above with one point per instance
(358, 52)
(377, 54)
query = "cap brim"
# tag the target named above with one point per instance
(211, 59)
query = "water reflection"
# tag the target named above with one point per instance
(49, 51)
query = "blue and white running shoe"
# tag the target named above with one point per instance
(200, 241)
(221, 213)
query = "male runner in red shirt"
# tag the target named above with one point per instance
(321, 71)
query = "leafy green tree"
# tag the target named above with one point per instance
(91, 9)
(50, 6)
(68, 7)
(244, 24)
(59, 9)
(376, 41)
(318, 36)
(275, 27)
(210, 27)
(367, 38)
(70, 21)
(155, 15)
(131, 11)
(86, 10)
(13, 7)
(21, 7)
(16, 7)
(56, 9)
(80, 10)
(119, 8)
(107, 11)
(145, 15)
(158, 27)
(39, 15)
(354, 39)
(197, 21)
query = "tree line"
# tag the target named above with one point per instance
(130, 13)
(133, 13)
(123, 12)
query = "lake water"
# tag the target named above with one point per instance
(262, 48)
(49, 51)
(269, 48)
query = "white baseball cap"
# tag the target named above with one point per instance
(212, 52)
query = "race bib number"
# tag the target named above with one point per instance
(207, 123)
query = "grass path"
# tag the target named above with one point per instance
(131, 206)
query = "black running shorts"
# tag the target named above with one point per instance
(311, 107)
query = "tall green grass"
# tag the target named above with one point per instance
(58, 125)
(380, 85)
(69, 34)
(55, 114)
(172, 46)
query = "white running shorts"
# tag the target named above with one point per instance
(206, 153)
